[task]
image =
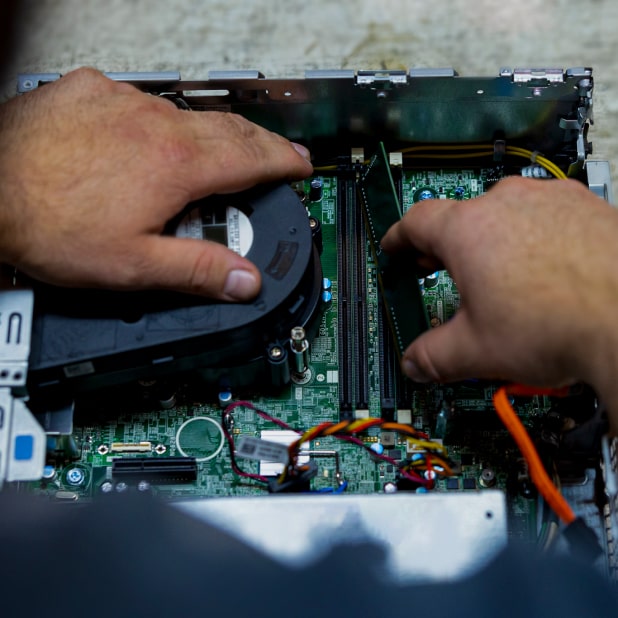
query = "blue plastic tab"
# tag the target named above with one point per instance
(24, 448)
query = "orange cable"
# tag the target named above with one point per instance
(538, 474)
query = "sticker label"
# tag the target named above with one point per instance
(223, 224)
(262, 450)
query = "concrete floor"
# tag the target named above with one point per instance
(285, 37)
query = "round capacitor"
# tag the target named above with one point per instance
(488, 478)
(315, 190)
(432, 280)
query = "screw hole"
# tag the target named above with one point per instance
(489, 515)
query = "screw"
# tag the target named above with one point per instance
(75, 476)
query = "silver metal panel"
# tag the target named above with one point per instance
(144, 76)
(16, 307)
(30, 81)
(244, 74)
(444, 72)
(468, 528)
(599, 179)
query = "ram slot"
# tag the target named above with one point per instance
(344, 291)
(403, 388)
(361, 334)
(389, 374)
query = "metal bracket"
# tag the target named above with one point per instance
(599, 180)
(22, 439)
(381, 80)
(31, 81)
(16, 307)
(522, 76)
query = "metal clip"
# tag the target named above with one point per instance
(381, 80)
(529, 75)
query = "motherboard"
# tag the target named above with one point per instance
(176, 437)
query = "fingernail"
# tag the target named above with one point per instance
(413, 372)
(302, 151)
(240, 285)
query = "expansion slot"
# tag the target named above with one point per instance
(155, 469)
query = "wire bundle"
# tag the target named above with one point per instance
(468, 151)
(430, 456)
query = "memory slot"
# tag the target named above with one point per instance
(345, 322)
(361, 334)
(388, 366)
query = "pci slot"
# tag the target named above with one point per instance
(155, 469)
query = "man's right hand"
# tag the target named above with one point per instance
(535, 263)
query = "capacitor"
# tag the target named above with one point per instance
(166, 396)
(49, 473)
(277, 359)
(327, 284)
(459, 193)
(425, 194)
(299, 346)
(327, 297)
(315, 190)
(378, 448)
(107, 487)
(488, 478)
(225, 398)
(390, 488)
(432, 280)
(316, 232)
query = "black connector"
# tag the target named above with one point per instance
(582, 540)
(155, 469)
(299, 483)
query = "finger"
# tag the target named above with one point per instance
(196, 267)
(422, 228)
(450, 352)
(235, 154)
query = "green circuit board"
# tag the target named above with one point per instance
(461, 415)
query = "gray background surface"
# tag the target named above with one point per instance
(285, 37)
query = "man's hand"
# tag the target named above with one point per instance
(535, 263)
(91, 171)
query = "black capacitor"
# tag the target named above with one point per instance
(316, 231)
(278, 364)
(315, 190)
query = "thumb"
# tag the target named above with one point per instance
(197, 267)
(448, 353)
